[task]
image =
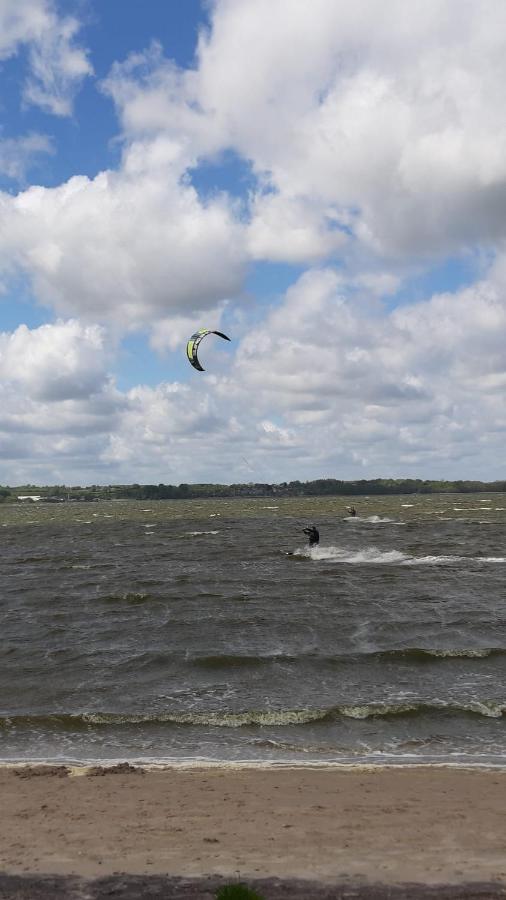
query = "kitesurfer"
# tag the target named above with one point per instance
(351, 510)
(313, 535)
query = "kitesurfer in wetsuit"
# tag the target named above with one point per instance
(351, 510)
(313, 535)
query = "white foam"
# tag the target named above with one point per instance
(373, 520)
(375, 556)
(433, 560)
(368, 555)
(195, 533)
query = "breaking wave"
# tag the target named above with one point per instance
(491, 709)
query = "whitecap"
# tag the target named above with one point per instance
(372, 520)
(195, 533)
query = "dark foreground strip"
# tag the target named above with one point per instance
(159, 887)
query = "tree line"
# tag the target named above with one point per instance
(319, 487)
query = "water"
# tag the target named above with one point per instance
(207, 630)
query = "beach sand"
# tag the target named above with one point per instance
(347, 826)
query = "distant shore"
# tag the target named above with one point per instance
(360, 825)
(320, 487)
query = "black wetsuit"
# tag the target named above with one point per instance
(352, 511)
(313, 535)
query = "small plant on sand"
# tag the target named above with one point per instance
(237, 892)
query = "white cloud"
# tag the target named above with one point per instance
(58, 403)
(332, 383)
(362, 114)
(64, 361)
(57, 65)
(377, 137)
(17, 155)
(132, 247)
(283, 229)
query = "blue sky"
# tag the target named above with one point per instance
(324, 185)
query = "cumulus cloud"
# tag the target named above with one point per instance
(332, 383)
(64, 361)
(384, 120)
(376, 140)
(359, 385)
(57, 64)
(368, 132)
(58, 402)
(131, 247)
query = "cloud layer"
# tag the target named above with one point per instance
(330, 384)
(376, 143)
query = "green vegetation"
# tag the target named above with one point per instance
(319, 488)
(237, 892)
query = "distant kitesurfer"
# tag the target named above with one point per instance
(351, 510)
(313, 535)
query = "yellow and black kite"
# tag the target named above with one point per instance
(193, 346)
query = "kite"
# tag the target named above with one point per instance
(193, 346)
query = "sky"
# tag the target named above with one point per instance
(325, 182)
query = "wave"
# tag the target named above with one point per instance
(446, 653)
(231, 660)
(491, 709)
(374, 556)
(127, 597)
(423, 654)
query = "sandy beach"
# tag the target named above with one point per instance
(427, 825)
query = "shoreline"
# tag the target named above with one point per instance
(394, 825)
(82, 767)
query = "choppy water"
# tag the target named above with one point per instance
(168, 630)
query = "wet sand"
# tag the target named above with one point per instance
(354, 827)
